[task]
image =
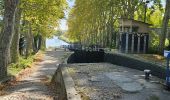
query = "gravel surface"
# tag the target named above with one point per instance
(103, 81)
(37, 85)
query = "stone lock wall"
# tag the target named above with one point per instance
(81, 56)
(117, 59)
(121, 60)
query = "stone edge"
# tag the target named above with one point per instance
(66, 83)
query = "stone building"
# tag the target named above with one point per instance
(134, 36)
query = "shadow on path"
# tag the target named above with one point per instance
(37, 85)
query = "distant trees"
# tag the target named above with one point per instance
(36, 20)
(96, 22)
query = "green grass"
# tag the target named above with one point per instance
(23, 63)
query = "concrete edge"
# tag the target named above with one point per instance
(66, 84)
(69, 85)
(66, 59)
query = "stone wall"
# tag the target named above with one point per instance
(65, 84)
(58, 81)
(80, 56)
(121, 60)
(117, 59)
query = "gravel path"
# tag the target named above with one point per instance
(103, 81)
(37, 85)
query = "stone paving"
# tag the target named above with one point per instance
(103, 81)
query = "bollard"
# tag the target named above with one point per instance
(147, 73)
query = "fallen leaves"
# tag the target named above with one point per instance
(2, 92)
(84, 96)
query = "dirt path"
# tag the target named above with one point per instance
(36, 86)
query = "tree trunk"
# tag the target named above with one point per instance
(14, 50)
(43, 43)
(164, 26)
(6, 35)
(29, 41)
(40, 42)
(37, 43)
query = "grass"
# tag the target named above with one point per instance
(23, 63)
(153, 57)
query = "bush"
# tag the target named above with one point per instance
(154, 43)
(23, 63)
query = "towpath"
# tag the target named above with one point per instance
(36, 86)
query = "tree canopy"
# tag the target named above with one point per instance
(96, 22)
(36, 20)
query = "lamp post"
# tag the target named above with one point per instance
(146, 3)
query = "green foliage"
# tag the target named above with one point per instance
(154, 42)
(43, 15)
(23, 63)
(59, 33)
(166, 42)
(95, 22)
(153, 16)
(64, 38)
(1, 7)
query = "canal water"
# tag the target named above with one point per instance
(55, 42)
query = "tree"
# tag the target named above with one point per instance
(40, 17)
(96, 22)
(36, 17)
(164, 26)
(6, 35)
(14, 49)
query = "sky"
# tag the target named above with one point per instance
(63, 22)
(55, 42)
(163, 2)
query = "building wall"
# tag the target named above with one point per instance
(142, 27)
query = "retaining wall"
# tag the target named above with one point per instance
(121, 60)
(81, 56)
(65, 84)
(117, 59)
(58, 81)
